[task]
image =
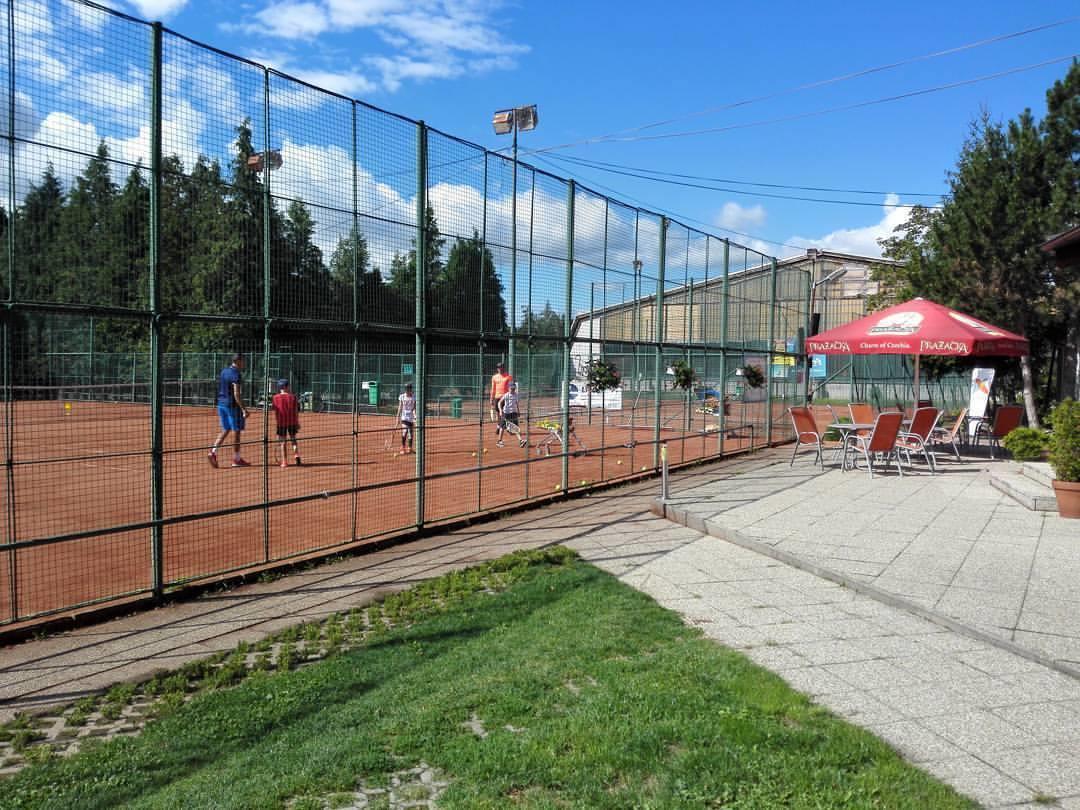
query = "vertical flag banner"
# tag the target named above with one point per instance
(981, 380)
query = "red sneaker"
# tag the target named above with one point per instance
(212, 458)
(239, 462)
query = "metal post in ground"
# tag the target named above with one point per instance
(420, 371)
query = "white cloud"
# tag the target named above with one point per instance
(109, 92)
(293, 20)
(347, 83)
(90, 18)
(433, 39)
(363, 13)
(862, 241)
(394, 70)
(158, 9)
(735, 217)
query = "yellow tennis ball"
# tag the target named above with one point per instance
(583, 482)
(643, 468)
(619, 461)
(485, 449)
(473, 455)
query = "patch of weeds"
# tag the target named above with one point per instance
(307, 803)
(262, 663)
(312, 633)
(176, 683)
(228, 674)
(168, 705)
(337, 800)
(286, 657)
(264, 645)
(38, 753)
(23, 738)
(81, 711)
(112, 711)
(379, 803)
(121, 693)
(1044, 798)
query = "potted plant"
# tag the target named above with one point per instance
(1065, 456)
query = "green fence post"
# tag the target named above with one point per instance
(659, 350)
(157, 472)
(723, 342)
(769, 356)
(9, 405)
(267, 203)
(356, 312)
(569, 304)
(421, 315)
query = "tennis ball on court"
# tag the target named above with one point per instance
(583, 482)
(643, 468)
(558, 487)
(473, 454)
(619, 461)
(485, 449)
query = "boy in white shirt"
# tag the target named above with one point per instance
(509, 412)
(406, 417)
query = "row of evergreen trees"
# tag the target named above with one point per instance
(89, 245)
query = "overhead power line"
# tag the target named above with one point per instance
(688, 184)
(813, 113)
(682, 217)
(821, 83)
(600, 164)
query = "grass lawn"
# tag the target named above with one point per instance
(563, 689)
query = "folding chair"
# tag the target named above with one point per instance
(1006, 419)
(948, 436)
(806, 432)
(862, 413)
(881, 442)
(916, 438)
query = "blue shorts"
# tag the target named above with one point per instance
(232, 418)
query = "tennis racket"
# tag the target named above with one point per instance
(515, 430)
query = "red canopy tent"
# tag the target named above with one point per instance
(918, 327)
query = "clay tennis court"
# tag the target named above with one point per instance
(84, 467)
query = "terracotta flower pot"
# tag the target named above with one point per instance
(1068, 498)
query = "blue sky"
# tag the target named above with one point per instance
(606, 67)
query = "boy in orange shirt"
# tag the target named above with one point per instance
(287, 415)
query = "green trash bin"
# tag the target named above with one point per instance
(455, 407)
(373, 393)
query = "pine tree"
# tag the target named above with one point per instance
(468, 293)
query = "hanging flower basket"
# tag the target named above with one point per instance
(601, 375)
(753, 376)
(684, 375)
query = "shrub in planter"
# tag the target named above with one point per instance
(1065, 456)
(1025, 443)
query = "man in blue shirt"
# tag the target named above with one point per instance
(231, 410)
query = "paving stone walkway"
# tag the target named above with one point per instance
(959, 696)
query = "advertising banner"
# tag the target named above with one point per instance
(981, 380)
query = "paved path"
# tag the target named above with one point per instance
(1001, 727)
(947, 545)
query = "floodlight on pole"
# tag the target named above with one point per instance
(509, 122)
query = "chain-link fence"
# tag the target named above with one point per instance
(166, 205)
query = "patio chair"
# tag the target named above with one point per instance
(1006, 419)
(916, 439)
(881, 442)
(862, 413)
(806, 432)
(942, 437)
